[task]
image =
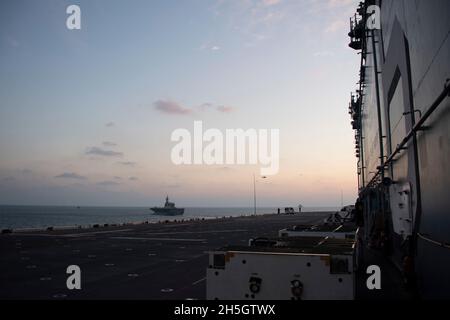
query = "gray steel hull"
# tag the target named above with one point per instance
(167, 211)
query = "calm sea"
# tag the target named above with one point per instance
(45, 216)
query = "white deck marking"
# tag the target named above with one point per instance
(157, 239)
(176, 225)
(197, 232)
(198, 281)
(73, 235)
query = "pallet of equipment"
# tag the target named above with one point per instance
(305, 268)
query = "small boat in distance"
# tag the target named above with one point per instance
(169, 209)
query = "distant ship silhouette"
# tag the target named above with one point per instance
(169, 209)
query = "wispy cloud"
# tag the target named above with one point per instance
(205, 106)
(96, 151)
(204, 47)
(269, 3)
(127, 163)
(133, 179)
(174, 108)
(264, 20)
(225, 109)
(172, 186)
(336, 25)
(108, 183)
(341, 3)
(109, 144)
(171, 107)
(330, 6)
(110, 124)
(256, 19)
(70, 175)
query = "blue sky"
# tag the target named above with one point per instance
(86, 115)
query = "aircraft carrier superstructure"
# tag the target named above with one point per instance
(400, 114)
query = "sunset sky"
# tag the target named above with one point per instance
(86, 115)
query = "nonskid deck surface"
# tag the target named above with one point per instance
(145, 261)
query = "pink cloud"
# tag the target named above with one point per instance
(171, 107)
(225, 109)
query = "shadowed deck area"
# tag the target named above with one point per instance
(145, 261)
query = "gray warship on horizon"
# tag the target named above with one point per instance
(169, 209)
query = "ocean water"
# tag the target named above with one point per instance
(18, 217)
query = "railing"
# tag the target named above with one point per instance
(435, 242)
(417, 127)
